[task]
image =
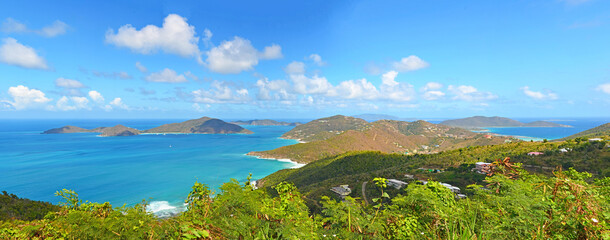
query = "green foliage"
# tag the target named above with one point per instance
(13, 207)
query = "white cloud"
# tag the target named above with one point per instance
(432, 86)
(118, 102)
(549, 95)
(24, 97)
(220, 92)
(237, 55)
(432, 91)
(469, 93)
(96, 96)
(57, 28)
(13, 26)
(410, 63)
(191, 75)
(176, 36)
(272, 52)
(141, 67)
(310, 85)
(167, 75)
(72, 103)
(14, 53)
(295, 68)
(433, 95)
(68, 83)
(199, 108)
(393, 90)
(355, 89)
(276, 90)
(605, 88)
(317, 59)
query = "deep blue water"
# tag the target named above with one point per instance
(540, 133)
(127, 170)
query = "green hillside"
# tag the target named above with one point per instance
(324, 128)
(386, 136)
(599, 131)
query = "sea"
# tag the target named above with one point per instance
(159, 169)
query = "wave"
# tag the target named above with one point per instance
(163, 209)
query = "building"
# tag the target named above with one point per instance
(483, 167)
(454, 189)
(534, 153)
(487, 136)
(342, 190)
(563, 150)
(396, 183)
(595, 139)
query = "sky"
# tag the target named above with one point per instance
(304, 59)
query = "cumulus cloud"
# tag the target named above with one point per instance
(549, 95)
(431, 91)
(355, 89)
(317, 59)
(605, 88)
(176, 36)
(220, 92)
(295, 68)
(469, 93)
(24, 97)
(118, 103)
(68, 83)
(274, 90)
(141, 67)
(15, 53)
(72, 103)
(166, 75)
(237, 55)
(13, 26)
(96, 96)
(410, 63)
(393, 90)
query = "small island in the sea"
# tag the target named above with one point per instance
(481, 122)
(204, 125)
(265, 122)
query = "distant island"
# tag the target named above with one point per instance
(265, 122)
(596, 132)
(369, 117)
(204, 125)
(340, 134)
(481, 121)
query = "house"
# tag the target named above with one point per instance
(451, 187)
(409, 176)
(460, 196)
(483, 167)
(534, 153)
(396, 183)
(595, 139)
(342, 190)
(563, 150)
(487, 136)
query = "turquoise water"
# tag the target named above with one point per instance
(126, 170)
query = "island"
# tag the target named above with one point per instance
(482, 122)
(265, 122)
(204, 125)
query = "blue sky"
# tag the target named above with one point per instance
(286, 59)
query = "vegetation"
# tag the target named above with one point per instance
(386, 136)
(599, 131)
(13, 207)
(265, 122)
(324, 128)
(515, 205)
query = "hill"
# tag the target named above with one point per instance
(376, 117)
(353, 168)
(13, 207)
(481, 121)
(325, 128)
(264, 122)
(599, 131)
(66, 129)
(201, 125)
(119, 130)
(385, 135)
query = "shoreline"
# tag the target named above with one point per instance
(523, 138)
(287, 160)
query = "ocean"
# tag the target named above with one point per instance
(126, 170)
(157, 168)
